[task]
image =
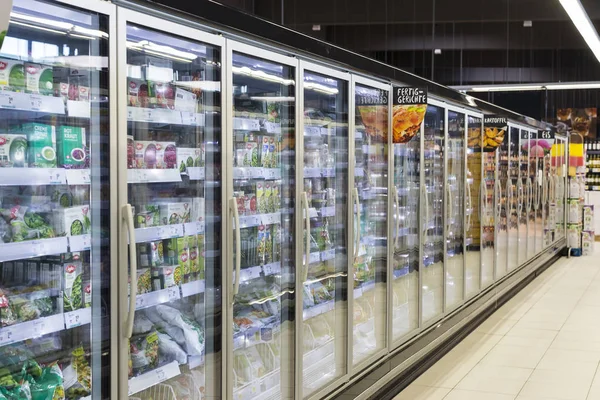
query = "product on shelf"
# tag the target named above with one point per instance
(78, 375)
(147, 216)
(39, 79)
(71, 83)
(198, 209)
(12, 75)
(155, 155)
(189, 157)
(166, 276)
(72, 221)
(588, 217)
(174, 213)
(20, 224)
(70, 146)
(73, 283)
(14, 150)
(587, 242)
(144, 352)
(41, 144)
(185, 101)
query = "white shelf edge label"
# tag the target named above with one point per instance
(154, 377)
(78, 176)
(79, 317)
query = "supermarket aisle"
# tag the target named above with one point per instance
(543, 344)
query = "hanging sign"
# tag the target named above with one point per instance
(410, 105)
(5, 8)
(495, 128)
(372, 107)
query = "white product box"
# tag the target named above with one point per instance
(185, 101)
(188, 157)
(574, 211)
(72, 221)
(175, 213)
(198, 209)
(587, 242)
(588, 217)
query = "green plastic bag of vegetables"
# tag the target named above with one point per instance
(19, 392)
(82, 386)
(49, 386)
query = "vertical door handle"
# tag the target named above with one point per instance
(450, 206)
(426, 213)
(127, 212)
(358, 217)
(307, 227)
(238, 244)
(498, 197)
(469, 206)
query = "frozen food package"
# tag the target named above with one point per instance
(24, 308)
(194, 335)
(49, 385)
(169, 350)
(141, 323)
(144, 350)
(73, 286)
(78, 375)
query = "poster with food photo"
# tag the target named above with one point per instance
(372, 111)
(410, 105)
(494, 132)
(580, 120)
(5, 8)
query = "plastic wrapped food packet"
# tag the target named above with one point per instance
(19, 392)
(144, 352)
(78, 375)
(194, 335)
(141, 324)
(49, 386)
(170, 350)
(7, 315)
(25, 309)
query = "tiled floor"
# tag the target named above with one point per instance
(543, 344)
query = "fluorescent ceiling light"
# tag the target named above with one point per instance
(281, 99)
(67, 28)
(165, 51)
(574, 85)
(504, 88)
(583, 24)
(261, 75)
(38, 27)
(317, 87)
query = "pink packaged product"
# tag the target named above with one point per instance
(155, 155)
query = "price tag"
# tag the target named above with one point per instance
(312, 173)
(80, 242)
(173, 293)
(146, 115)
(272, 269)
(273, 127)
(56, 176)
(196, 173)
(7, 100)
(129, 113)
(36, 102)
(270, 219)
(142, 175)
(38, 247)
(78, 176)
(7, 336)
(312, 131)
(78, 318)
(328, 255)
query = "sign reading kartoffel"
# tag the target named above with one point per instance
(495, 128)
(372, 107)
(5, 8)
(410, 105)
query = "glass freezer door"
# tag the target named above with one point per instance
(55, 217)
(370, 221)
(531, 194)
(263, 209)
(433, 213)
(172, 88)
(406, 236)
(502, 208)
(325, 280)
(523, 193)
(489, 188)
(455, 195)
(513, 205)
(473, 197)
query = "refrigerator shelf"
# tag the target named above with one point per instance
(247, 274)
(249, 221)
(159, 232)
(76, 318)
(192, 288)
(256, 173)
(364, 288)
(265, 387)
(154, 377)
(33, 176)
(157, 297)
(316, 131)
(310, 172)
(164, 116)
(31, 329)
(33, 102)
(33, 248)
(319, 309)
(78, 176)
(153, 175)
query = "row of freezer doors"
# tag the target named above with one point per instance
(276, 232)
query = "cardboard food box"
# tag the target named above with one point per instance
(188, 157)
(39, 79)
(574, 211)
(155, 155)
(72, 221)
(588, 217)
(192, 272)
(13, 150)
(175, 213)
(185, 101)
(42, 145)
(166, 276)
(198, 209)
(130, 152)
(144, 281)
(12, 75)
(574, 236)
(70, 146)
(587, 243)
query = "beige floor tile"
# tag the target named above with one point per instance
(496, 326)
(555, 390)
(458, 394)
(514, 356)
(495, 379)
(416, 392)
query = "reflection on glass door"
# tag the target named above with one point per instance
(502, 208)
(326, 206)
(531, 193)
(455, 188)
(174, 187)
(523, 192)
(433, 213)
(406, 234)
(489, 188)
(370, 221)
(55, 229)
(558, 172)
(513, 206)
(539, 153)
(473, 197)
(263, 208)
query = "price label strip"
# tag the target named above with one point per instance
(154, 377)
(32, 329)
(78, 318)
(78, 176)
